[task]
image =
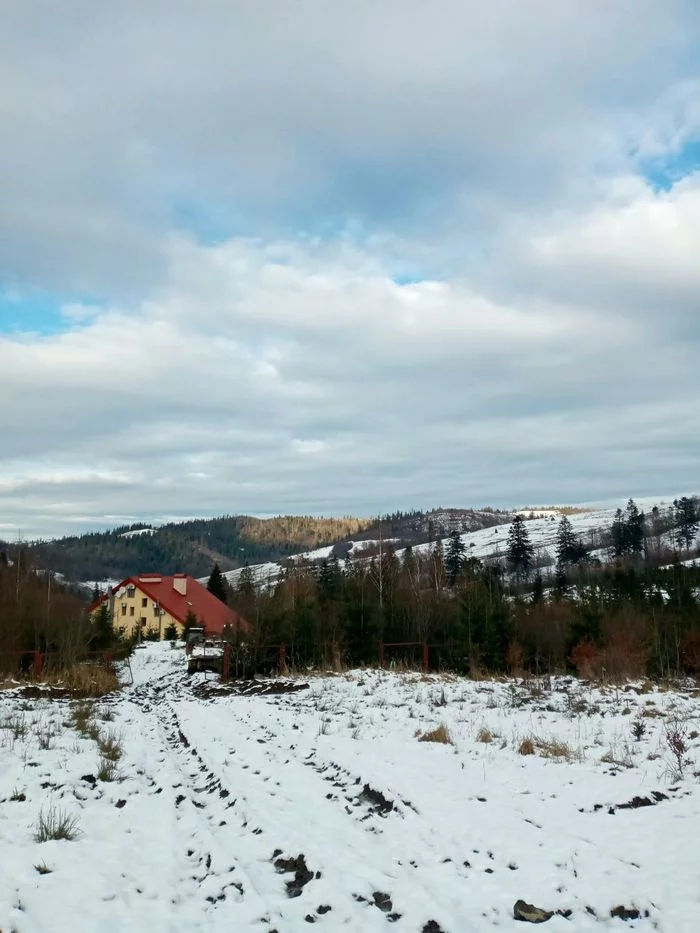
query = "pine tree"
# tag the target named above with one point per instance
(618, 534)
(561, 581)
(570, 549)
(245, 586)
(217, 584)
(687, 521)
(519, 551)
(454, 557)
(537, 589)
(329, 580)
(635, 527)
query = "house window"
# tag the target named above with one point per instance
(144, 602)
(123, 610)
(143, 622)
(131, 610)
(130, 590)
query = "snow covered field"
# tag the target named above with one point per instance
(271, 811)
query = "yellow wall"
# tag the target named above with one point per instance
(128, 611)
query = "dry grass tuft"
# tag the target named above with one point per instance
(106, 770)
(88, 680)
(81, 717)
(440, 735)
(526, 747)
(55, 824)
(484, 735)
(110, 746)
(555, 748)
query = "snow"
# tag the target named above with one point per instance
(492, 542)
(213, 783)
(484, 544)
(136, 532)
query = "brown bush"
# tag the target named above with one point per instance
(585, 657)
(441, 735)
(690, 651)
(515, 659)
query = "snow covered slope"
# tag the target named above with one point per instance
(262, 813)
(485, 543)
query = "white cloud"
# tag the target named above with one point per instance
(232, 196)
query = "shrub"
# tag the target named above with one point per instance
(555, 748)
(526, 747)
(441, 734)
(639, 728)
(484, 735)
(585, 658)
(675, 736)
(55, 824)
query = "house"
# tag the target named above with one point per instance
(152, 602)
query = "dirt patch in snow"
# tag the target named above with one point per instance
(214, 689)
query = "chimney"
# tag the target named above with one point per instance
(180, 583)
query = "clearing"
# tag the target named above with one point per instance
(198, 808)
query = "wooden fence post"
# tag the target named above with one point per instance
(426, 656)
(38, 663)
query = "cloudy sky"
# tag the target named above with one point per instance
(345, 257)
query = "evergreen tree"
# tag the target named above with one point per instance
(519, 551)
(102, 632)
(454, 557)
(618, 535)
(329, 580)
(635, 527)
(217, 584)
(570, 549)
(561, 581)
(537, 589)
(687, 521)
(246, 583)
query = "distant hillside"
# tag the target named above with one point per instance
(231, 541)
(192, 546)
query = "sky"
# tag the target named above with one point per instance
(344, 258)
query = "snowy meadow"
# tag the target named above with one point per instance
(432, 803)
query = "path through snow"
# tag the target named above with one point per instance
(272, 812)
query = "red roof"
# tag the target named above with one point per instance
(211, 613)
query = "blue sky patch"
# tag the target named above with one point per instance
(665, 173)
(36, 312)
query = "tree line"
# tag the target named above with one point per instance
(37, 612)
(623, 617)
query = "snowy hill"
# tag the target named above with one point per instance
(485, 544)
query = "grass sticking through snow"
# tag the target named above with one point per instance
(441, 735)
(55, 824)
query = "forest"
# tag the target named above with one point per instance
(192, 546)
(627, 616)
(189, 546)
